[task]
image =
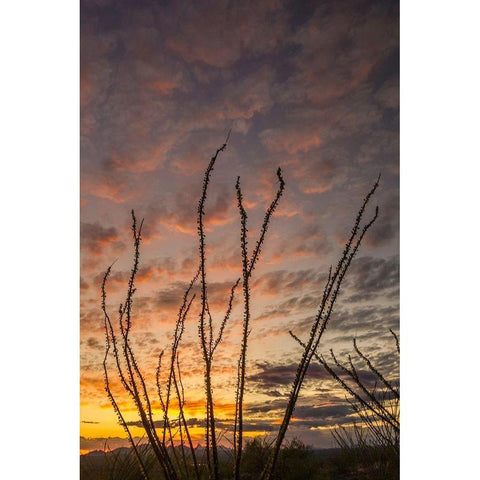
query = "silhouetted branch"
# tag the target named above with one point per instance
(378, 410)
(396, 340)
(129, 382)
(206, 341)
(110, 337)
(248, 266)
(173, 460)
(330, 293)
(375, 370)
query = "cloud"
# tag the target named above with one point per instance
(306, 416)
(91, 320)
(368, 322)
(385, 230)
(92, 382)
(164, 303)
(274, 393)
(269, 376)
(279, 377)
(95, 238)
(145, 159)
(340, 45)
(189, 155)
(234, 30)
(94, 343)
(287, 308)
(178, 213)
(320, 174)
(106, 184)
(388, 94)
(271, 283)
(291, 139)
(151, 271)
(373, 275)
(303, 240)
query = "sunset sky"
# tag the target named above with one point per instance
(312, 87)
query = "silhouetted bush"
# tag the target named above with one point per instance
(171, 444)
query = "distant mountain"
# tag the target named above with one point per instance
(93, 453)
(116, 451)
(200, 450)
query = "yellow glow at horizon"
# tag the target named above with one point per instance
(107, 425)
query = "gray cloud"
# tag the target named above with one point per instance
(373, 275)
(272, 282)
(95, 238)
(270, 376)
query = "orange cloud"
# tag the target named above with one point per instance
(292, 139)
(162, 86)
(86, 86)
(317, 176)
(140, 160)
(109, 185)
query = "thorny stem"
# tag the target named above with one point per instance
(121, 419)
(206, 341)
(133, 371)
(132, 367)
(382, 421)
(248, 266)
(367, 406)
(320, 323)
(181, 395)
(375, 370)
(396, 340)
(179, 329)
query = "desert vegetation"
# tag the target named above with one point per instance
(296, 461)
(371, 445)
(168, 451)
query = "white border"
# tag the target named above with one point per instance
(39, 107)
(439, 217)
(439, 209)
